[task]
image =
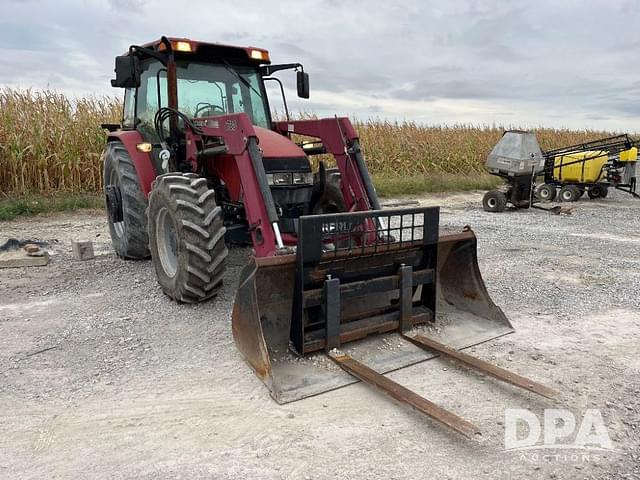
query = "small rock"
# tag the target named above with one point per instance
(31, 248)
(290, 415)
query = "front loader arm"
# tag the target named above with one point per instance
(241, 142)
(340, 140)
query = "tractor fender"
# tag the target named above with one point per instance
(141, 160)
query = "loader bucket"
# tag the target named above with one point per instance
(341, 289)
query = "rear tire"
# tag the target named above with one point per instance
(569, 193)
(494, 201)
(186, 236)
(546, 192)
(129, 235)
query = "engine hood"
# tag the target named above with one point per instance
(274, 145)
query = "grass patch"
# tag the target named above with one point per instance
(11, 208)
(388, 186)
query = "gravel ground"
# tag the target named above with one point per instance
(102, 376)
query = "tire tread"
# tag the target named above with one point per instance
(134, 244)
(202, 230)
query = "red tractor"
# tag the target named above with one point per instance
(198, 163)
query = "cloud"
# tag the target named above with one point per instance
(483, 61)
(128, 5)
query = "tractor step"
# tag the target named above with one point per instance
(406, 396)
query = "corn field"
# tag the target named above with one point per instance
(51, 144)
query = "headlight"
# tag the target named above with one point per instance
(303, 178)
(279, 179)
(289, 178)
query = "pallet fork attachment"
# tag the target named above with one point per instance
(373, 292)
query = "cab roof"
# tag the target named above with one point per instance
(211, 51)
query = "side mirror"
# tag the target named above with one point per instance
(127, 72)
(302, 80)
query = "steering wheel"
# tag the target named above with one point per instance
(207, 107)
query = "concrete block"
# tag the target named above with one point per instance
(21, 259)
(82, 250)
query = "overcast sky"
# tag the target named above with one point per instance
(529, 63)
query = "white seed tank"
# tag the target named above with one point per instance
(517, 153)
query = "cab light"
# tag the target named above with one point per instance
(144, 147)
(178, 46)
(182, 46)
(259, 55)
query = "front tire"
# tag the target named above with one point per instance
(329, 200)
(126, 204)
(186, 237)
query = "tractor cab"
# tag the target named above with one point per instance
(206, 80)
(198, 79)
(203, 81)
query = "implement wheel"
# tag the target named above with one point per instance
(126, 204)
(569, 193)
(546, 192)
(494, 201)
(186, 236)
(598, 191)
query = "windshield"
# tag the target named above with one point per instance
(204, 90)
